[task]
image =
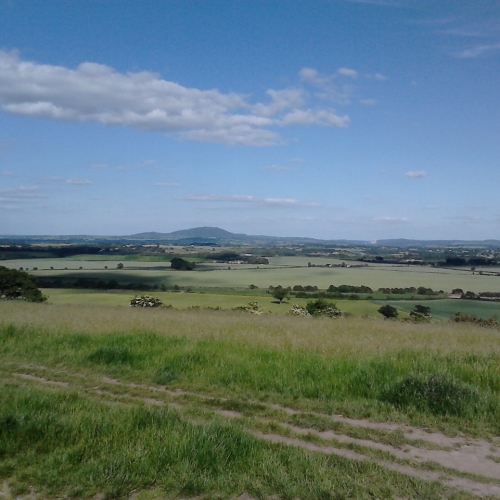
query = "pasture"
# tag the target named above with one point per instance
(285, 271)
(115, 401)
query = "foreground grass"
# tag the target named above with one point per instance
(64, 442)
(68, 445)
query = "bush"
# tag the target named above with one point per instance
(471, 318)
(146, 301)
(322, 307)
(297, 310)
(388, 311)
(438, 393)
(251, 307)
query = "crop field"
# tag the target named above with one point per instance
(164, 403)
(285, 271)
(446, 308)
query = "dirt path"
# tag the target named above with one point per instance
(460, 463)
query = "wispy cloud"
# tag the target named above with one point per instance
(276, 202)
(391, 220)
(21, 194)
(97, 93)
(78, 182)
(99, 166)
(330, 87)
(377, 76)
(7, 173)
(416, 175)
(369, 102)
(479, 51)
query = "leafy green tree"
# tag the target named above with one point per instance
(425, 310)
(181, 264)
(20, 285)
(388, 311)
(119, 266)
(280, 294)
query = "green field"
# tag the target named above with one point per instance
(117, 401)
(285, 271)
(444, 309)
(185, 300)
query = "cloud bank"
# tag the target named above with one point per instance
(97, 93)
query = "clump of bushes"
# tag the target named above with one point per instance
(323, 308)
(438, 393)
(297, 310)
(251, 307)
(471, 318)
(146, 301)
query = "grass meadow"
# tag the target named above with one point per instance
(77, 416)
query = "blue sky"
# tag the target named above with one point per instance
(357, 119)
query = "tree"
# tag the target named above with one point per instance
(181, 264)
(20, 285)
(280, 294)
(425, 310)
(119, 266)
(388, 311)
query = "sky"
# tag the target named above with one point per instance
(331, 119)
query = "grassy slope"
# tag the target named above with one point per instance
(64, 442)
(185, 300)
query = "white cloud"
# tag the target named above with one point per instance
(100, 166)
(97, 93)
(6, 173)
(351, 73)
(478, 51)
(378, 76)
(368, 102)
(281, 202)
(314, 117)
(21, 194)
(329, 87)
(390, 219)
(78, 182)
(416, 175)
(278, 168)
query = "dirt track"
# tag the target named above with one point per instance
(461, 463)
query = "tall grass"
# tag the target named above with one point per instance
(361, 368)
(65, 445)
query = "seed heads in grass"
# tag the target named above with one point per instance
(438, 393)
(112, 355)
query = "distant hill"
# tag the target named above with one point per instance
(208, 235)
(199, 233)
